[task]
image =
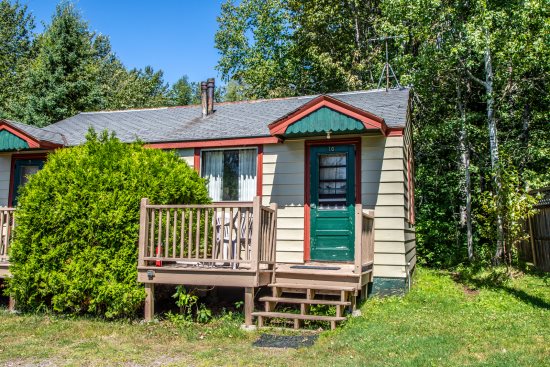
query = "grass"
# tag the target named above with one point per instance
(469, 318)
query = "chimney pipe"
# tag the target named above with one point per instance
(204, 99)
(210, 99)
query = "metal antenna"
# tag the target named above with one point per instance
(387, 67)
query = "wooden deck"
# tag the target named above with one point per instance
(234, 245)
(223, 244)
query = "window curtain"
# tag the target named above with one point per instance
(247, 174)
(213, 170)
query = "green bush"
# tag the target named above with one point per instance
(75, 248)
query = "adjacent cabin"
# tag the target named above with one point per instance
(312, 196)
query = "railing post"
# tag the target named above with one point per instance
(274, 206)
(358, 238)
(370, 252)
(143, 227)
(256, 235)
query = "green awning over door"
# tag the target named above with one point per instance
(323, 120)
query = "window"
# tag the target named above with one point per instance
(24, 168)
(332, 181)
(231, 174)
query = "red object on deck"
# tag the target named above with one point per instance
(158, 262)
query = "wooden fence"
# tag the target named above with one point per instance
(539, 233)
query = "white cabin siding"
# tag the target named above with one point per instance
(5, 169)
(283, 183)
(188, 155)
(383, 179)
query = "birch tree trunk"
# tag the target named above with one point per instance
(493, 144)
(466, 210)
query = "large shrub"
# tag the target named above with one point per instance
(75, 248)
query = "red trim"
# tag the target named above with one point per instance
(215, 143)
(14, 158)
(369, 120)
(260, 171)
(197, 160)
(307, 215)
(307, 197)
(394, 132)
(33, 142)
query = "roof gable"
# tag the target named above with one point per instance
(10, 142)
(347, 117)
(325, 120)
(16, 136)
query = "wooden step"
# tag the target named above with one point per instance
(313, 286)
(305, 301)
(294, 316)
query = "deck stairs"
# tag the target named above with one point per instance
(295, 291)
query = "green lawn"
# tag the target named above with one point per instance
(439, 323)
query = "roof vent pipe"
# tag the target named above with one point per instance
(210, 99)
(204, 99)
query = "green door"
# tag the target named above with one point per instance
(332, 198)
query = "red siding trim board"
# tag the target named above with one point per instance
(394, 132)
(307, 182)
(238, 142)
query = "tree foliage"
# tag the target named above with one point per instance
(16, 49)
(331, 45)
(69, 69)
(78, 222)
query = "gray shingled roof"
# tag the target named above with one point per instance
(230, 120)
(40, 134)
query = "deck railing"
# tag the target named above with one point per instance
(227, 235)
(364, 240)
(7, 224)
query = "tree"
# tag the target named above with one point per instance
(16, 47)
(138, 89)
(280, 48)
(62, 80)
(254, 39)
(184, 93)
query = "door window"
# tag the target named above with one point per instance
(332, 181)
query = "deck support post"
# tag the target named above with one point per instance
(11, 304)
(149, 301)
(143, 230)
(248, 305)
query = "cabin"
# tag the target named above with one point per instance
(313, 196)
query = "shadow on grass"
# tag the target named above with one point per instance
(496, 279)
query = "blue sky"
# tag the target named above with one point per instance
(175, 36)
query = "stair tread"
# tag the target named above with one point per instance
(293, 316)
(313, 286)
(304, 301)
